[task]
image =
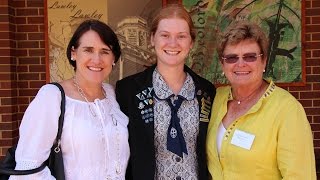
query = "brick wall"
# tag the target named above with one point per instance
(22, 65)
(309, 95)
(22, 62)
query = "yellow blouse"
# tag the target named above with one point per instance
(282, 145)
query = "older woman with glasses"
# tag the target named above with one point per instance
(258, 130)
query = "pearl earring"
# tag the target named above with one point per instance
(222, 74)
(113, 64)
(72, 59)
(264, 70)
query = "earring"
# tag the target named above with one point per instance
(264, 70)
(72, 59)
(222, 74)
(113, 64)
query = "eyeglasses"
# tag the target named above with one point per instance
(233, 58)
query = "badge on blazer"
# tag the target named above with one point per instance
(205, 108)
(145, 99)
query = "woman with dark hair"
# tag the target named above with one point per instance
(94, 137)
(168, 106)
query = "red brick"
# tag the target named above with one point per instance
(5, 142)
(316, 86)
(22, 108)
(308, 70)
(37, 84)
(4, 35)
(315, 36)
(5, 93)
(21, 52)
(4, 3)
(315, 53)
(308, 37)
(7, 77)
(21, 20)
(315, 20)
(41, 12)
(27, 28)
(5, 52)
(19, 4)
(42, 44)
(35, 3)
(21, 36)
(6, 60)
(23, 84)
(43, 60)
(316, 135)
(28, 92)
(316, 103)
(42, 28)
(312, 12)
(4, 10)
(8, 101)
(7, 109)
(8, 68)
(316, 119)
(35, 20)
(313, 78)
(7, 85)
(20, 115)
(309, 95)
(312, 111)
(315, 127)
(36, 52)
(313, 45)
(306, 103)
(4, 43)
(10, 134)
(23, 100)
(28, 76)
(308, 20)
(36, 36)
(22, 68)
(9, 117)
(29, 60)
(315, 3)
(43, 76)
(315, 70)
(4, 18)
(300, 88)
(312, 62)
(37, 68)
(28, 44)
(27, 12)
(4, 27)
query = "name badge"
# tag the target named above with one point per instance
(242, 139)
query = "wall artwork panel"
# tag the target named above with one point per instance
(129, 19)
(281, 21)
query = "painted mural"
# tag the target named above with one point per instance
(280, 19)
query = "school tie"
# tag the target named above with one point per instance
(175, 140)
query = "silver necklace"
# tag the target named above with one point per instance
(118, 165)
(250, 96)
(114, 122)
(82, 94)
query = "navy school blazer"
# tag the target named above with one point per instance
(134, 95)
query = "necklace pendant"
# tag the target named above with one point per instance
(239, 102)
(118, 168)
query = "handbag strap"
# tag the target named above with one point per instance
(56, 145)
(61, 117)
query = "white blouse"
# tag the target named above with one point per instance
(91, 146)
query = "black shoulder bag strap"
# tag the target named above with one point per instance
(56, 145)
